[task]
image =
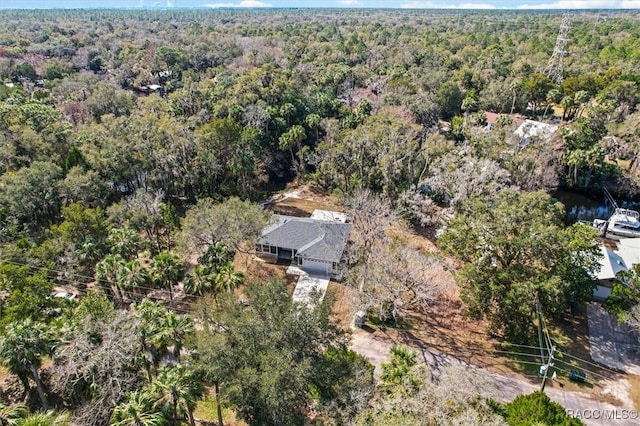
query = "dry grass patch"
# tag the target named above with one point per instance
(344, 303)
(634, 389)
(303, 201)
(256, 269)
(206, 414)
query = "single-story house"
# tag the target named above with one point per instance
(315, 245)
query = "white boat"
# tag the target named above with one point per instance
(623, 223)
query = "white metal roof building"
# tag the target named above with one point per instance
(612, 262)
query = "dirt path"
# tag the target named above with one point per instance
(505, 387)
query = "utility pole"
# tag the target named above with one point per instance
(554, 68)
(542, 329)
(548, 365)
(539, 315)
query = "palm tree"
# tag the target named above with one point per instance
(581, 98)
(294, 137)
(515, 86)
(48, 418)
(568, 104)
(137, 411)
(227, 279)
(200, 281)
(150, 314)
(216, 256)
(21, 351)
(575, 159)
(11, 416)
(396, 370)
(124, 241)
(107, 276)
(286, 141)
(313, 123)
(167, 269)
(131, 276)
(554, 96)
(287, 110)
(174, 331)
(176, 391)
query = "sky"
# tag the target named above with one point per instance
(407, 4)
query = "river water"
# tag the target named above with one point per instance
(587, 208)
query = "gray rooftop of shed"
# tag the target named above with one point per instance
(311, 238)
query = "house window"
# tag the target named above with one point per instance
(299, 261)
(273, 250)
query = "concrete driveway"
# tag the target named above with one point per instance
(307, 283)
(613, 345)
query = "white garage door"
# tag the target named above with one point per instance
(316, 267)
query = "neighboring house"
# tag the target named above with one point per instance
(315, 245)
(612, 262)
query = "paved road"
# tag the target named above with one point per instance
(505, 388)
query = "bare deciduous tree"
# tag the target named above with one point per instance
(419, 207)
(371, 216)
(392, 280)
(95, 368)
(459, 177)
(402, 279)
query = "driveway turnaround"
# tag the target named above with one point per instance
(613, 345)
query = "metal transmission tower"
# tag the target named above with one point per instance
(554, 67)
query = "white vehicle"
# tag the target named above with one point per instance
(65, 295)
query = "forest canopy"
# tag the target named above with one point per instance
(138, 150)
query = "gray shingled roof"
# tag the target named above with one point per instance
(312, 238)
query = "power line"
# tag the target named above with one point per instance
(478, 349)
(590, 363)
(563, 353)
(491, 351)
(547, 339)
(584, 369)
(60, 275)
